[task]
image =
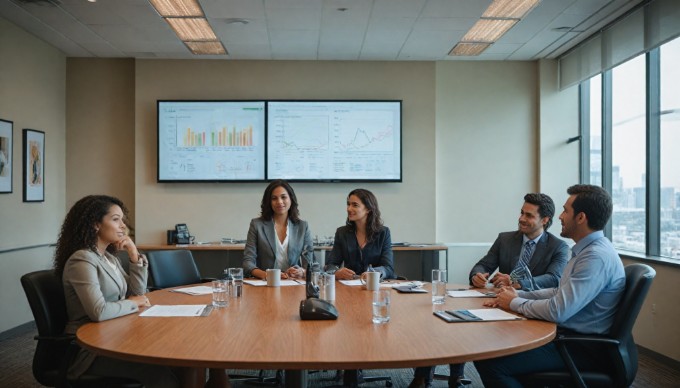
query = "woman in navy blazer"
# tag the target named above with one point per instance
(278, 238)
(363, 242)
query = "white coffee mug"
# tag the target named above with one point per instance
(371, 280)
(273, 277)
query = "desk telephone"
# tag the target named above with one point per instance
(180, 235)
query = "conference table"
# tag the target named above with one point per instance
(263, 330)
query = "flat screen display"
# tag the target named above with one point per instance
(211, 141)
(334, 140)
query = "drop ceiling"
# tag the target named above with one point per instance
(385, 30)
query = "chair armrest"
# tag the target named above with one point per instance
(566, 338)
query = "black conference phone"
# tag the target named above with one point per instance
(180, 235)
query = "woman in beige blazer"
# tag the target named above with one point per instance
(96, 286)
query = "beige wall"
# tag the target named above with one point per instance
(100, 111)
(486, 136)
(32, 89)
(213, 210)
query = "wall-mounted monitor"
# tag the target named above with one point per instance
(211, 141)
(334, 140)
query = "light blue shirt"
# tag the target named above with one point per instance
(589, 291)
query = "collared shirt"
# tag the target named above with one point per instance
(589, 291)
(282, 261)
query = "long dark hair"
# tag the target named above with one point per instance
(79, 231)
(266, 211)
(374, 223)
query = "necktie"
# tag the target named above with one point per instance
(526, 255)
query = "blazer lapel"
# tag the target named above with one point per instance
(293, 244)
(117, 279)
(270, 233)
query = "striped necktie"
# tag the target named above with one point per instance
(526, 255)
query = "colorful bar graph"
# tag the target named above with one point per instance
(221, 138)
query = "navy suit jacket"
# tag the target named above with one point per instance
(546, 265)
(377, 252)
(260, 251)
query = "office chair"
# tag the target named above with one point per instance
(56, 350)
(173, 268)
(620, 349)
(353, 378)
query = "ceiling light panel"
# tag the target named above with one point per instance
(469, 49)
(206, 48)
(513, 9)
(192, 29)
(488, 30)
(177, 8)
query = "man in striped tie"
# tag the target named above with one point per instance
(527, 258)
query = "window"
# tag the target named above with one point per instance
(628, 155)
(669, 123)
(631, 122)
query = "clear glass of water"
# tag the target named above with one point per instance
(236, 277)
(381, 305)
(220, 293)
(438, 286)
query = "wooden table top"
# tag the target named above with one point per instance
(240, 247)
(263, 330)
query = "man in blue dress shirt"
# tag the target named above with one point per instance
(585, 301)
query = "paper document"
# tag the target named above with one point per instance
(494, 315)
(470, 294)
(353, 282)
(197, 290)
(184, 310)
(260, 283)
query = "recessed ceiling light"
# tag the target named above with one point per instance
(236, 21)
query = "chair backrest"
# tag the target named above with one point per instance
(45, 294)
(639, 279)
(172, 268)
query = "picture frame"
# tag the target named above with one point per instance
(34, 165)
(6, 156)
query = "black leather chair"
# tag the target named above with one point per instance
(620, 349)
(55, 350)
(173, 268)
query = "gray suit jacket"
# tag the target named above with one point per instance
(95, 293)
(260, 251)
(546, 265)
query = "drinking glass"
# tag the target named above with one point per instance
(438, 286)
(220, 293)
(381, 305)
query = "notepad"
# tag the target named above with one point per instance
(260, 283)
(477, 315)
(183, 310)
(197, 290)
(470, 294)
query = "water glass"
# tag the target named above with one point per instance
(438, 286)
(220, 293)
(381, 305)
(236, 277)
(328, 287)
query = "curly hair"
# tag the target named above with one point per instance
(594, 201)
(374, 222)
(266, 211)
(78, 230)
(546, 206)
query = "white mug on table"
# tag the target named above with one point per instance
(371, 280)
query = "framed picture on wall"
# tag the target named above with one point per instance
(6, 156)
(34, 165)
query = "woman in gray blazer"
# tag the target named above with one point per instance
(97, 288)
(278, 238)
